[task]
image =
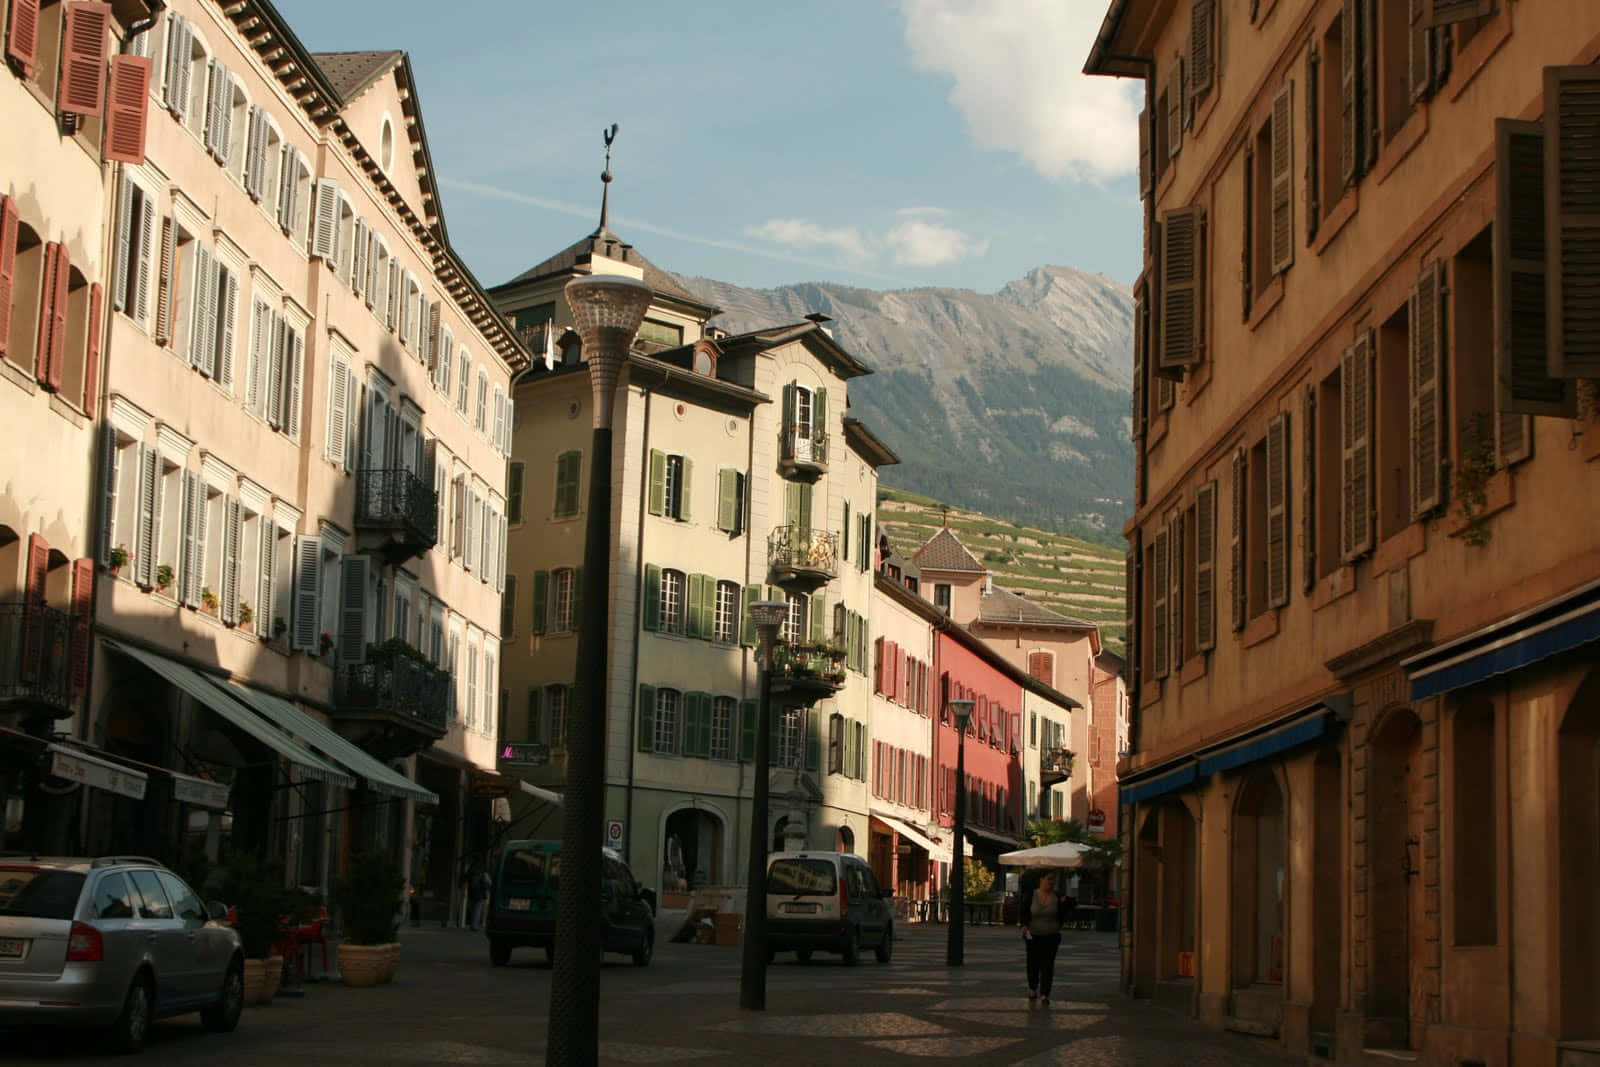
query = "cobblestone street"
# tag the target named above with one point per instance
(449, 1005)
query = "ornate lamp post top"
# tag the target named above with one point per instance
(768, 616)
(606, 311)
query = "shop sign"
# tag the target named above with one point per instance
(200, 793)
(97, 774)
(485, 786)
(1097, 819)
(614, 834)
(524, 754)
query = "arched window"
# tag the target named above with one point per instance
(386, 144)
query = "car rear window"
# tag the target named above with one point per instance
(531, 868)
(797, 876)
(39, 893)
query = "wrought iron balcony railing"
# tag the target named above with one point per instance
(399, 502)
(802, 448)
(37, 644)
(1055, 763)
(412, 691)
(800, 552)
(818, 668)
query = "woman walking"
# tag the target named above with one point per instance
(1041, 932)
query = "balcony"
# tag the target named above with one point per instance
(37, 644)
(808, 672)
(799, 554)
(803, 450)
(397, 514)
(1055, 765)
(394, 704)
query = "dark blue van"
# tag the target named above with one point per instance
(522, 904)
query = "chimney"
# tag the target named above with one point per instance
(821, 320)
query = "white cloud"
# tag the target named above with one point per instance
(1017, 70)
(798, 233)
(919, 243)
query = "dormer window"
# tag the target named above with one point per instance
(571, 348)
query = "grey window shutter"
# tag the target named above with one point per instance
(1175, 110)
(1371, 70)
(1522, 372)
(1427, 351)
(1205, 570)
(338, 409)
(1176, 571)
(1350, 145)
(325, 228)
(685, 491)
(1313, 138)
(307, 610)
(265, 619)
(230, 560)
(164, 280)
(1572, 204)
(296, 370)
(353, 578)
(1356, 447)
(1202, 59)
(227, 310)
(819, 618)
(1181, 263)
(1278, 510)
(1420, 52)
(187, 591)
(144, 549)
(110, 461)
(540, 602)
(124, 261)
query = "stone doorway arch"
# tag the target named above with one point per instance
(692, 849)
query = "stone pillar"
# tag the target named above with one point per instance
(1213, 915)
(1299, 923)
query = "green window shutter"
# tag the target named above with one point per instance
(647, 718)
(533, 715)
(652, 597)
(819, 412)
(819, 618)
(577, 597)
(788, 407)
(747, 730)
(805, 506)
(747, 636)
(791, 503)
(727, 515)
(684, 494)
(657, 504)
(541, 601)
(845, 532)
(567, 466)
(693, 619)
(738, 501)
(705, 724)
(813, 739)
(708, 607)
(514, 492)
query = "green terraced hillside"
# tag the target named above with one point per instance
(1067, 574)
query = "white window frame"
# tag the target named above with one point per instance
(669, 708)
(563, 592)
(674, 587)
(725, 621)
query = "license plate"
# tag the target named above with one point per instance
(801, 909)
(519, 904)
(12, 948)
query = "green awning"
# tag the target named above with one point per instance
(379, 778)
(204, 690)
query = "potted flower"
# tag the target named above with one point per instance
(247, 614)
(117, 559)
(164, 577)
(208, 600)
(369, 918)
(279, 627)
(255, 890)
(324, 643)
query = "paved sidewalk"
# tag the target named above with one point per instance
(449, 1005)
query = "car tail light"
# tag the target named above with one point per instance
(84, 944)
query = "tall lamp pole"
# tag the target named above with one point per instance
(955, 945)
(606, 310)
(767, 615)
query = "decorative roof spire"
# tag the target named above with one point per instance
(604, 229)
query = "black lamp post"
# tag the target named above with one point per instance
(606, 310)
(955, 946)
(767, 616)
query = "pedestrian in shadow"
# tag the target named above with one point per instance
(1042, 912)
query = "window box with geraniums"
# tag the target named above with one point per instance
(208, 600)
(117, 559)
(324, 643)
(247, 614)
(164, 577)
(369, 920)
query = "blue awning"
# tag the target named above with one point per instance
(1269, 743)
(1161, 784)
(1557, 626)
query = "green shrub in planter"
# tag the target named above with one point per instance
(255, 888)
(369, 900)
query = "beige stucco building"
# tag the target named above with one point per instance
(301, 445)
(1361, 800)
(738, 475)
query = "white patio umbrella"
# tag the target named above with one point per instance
(1060, 854)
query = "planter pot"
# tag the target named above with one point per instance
(274, 976)
(393, 964)
(363, 965)
(257, 992)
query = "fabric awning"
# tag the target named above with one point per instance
(380, 779)
(1268, 743)
(1556, 626)
(1159, 785)
(97, 773)
(989, 838)
(209, 693)
(935, 851)
(542, 794)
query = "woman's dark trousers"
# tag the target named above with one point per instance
(1042, 949)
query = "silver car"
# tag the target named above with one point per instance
(112, 942)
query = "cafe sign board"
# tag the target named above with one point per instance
(97, 773)
(524, 754)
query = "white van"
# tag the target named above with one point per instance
(828, 901)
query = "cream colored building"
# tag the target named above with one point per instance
(301, 443)
(737, 476)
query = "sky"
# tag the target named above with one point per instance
(879, 143)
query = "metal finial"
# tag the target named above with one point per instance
(605, 183)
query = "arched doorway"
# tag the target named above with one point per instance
(1394, 882)
(1258, 880)
(780, 830)
(691, 850)
(1578, 756)
(847, 839)
(1165, 881)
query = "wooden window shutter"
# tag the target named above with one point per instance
(166, 282)
(1350, 154)
(1247, 246)
(646, 714)
(1513, 439)
(91, 363)
(353, 573)
(1444, 12)
(1420, 52)
(1160, 582)
(657, 501)
(33, 636)
(1176, 571)
(1175, 110)
(1236, 573)
(1572, 220)
(232, 531)
(694, 595)
(1283, 178)
(1308, 487)
(9, 222)
(540, 599)
(82, 605)
(1356, 446)
(1522, 377)
(1202, 57)
(1278, 510)
(1313, 174)
(1146, 164)
(307, 610)
(47, 302)
(325, 224)
(1427, 352)
(1132, 607)
(1371, 124)
(22, 35)
(83, 58)
(1140, 320)
(1205, 570)
(652, 597)
(1181, 319)
(58, 320)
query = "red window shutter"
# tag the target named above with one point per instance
(83, 58)
(125, 109)
(47, 316)
(82, 600)
(22, 39)
(877, 666)
(58, 320)
(38, 565)
(91, 363)
(33, 599)
(8, 265)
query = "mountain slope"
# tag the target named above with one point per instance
(1014, 403)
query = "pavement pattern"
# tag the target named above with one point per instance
(449, 1006)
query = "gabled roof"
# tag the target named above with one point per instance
(943, 552)
(1004, 607)
(352, 72)
(868, 445)
(607, 244)
(838, 359)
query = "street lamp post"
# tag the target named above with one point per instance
(955, 945)
(767, 615)
(606, 310)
